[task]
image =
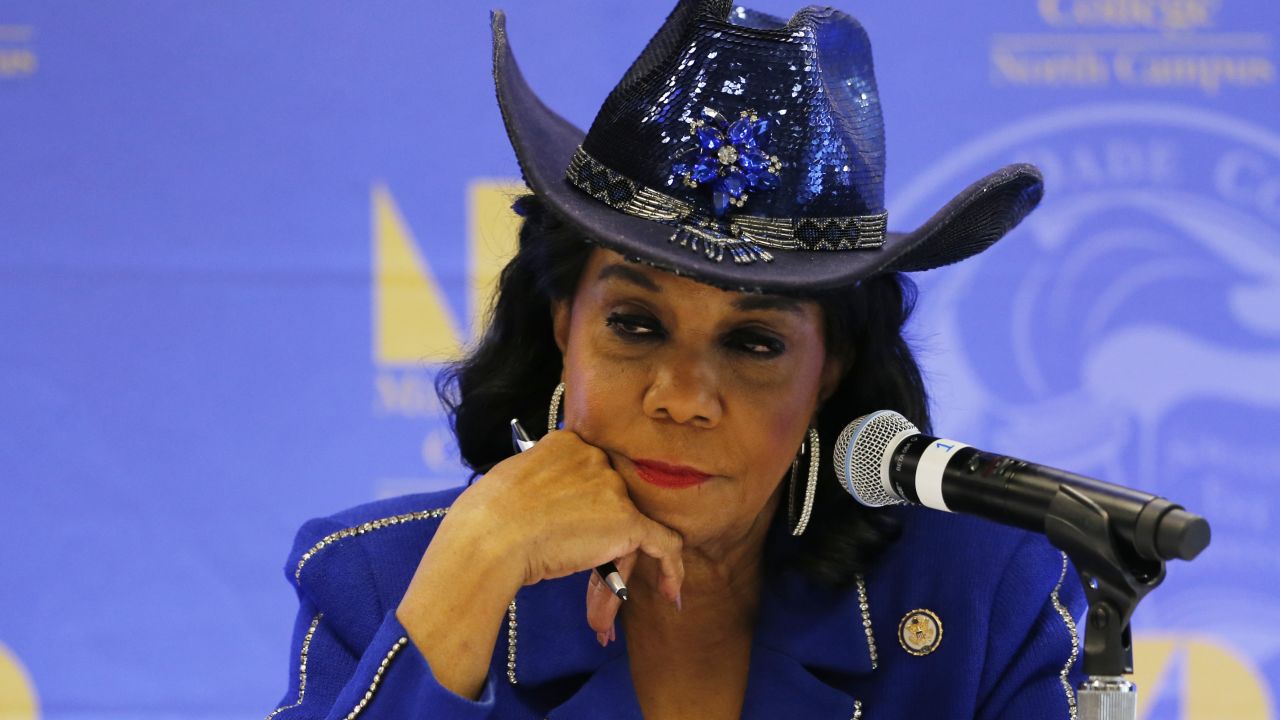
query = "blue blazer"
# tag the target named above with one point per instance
(998, 640)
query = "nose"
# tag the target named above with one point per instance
(685, 391)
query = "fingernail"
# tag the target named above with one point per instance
(600, 638)
(613, 632)
(595, 580)
(679, 605)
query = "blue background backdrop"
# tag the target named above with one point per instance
(226, 228)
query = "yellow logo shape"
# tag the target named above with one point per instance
(413, 323)
(17, 694)
(494, 236)
(1216, 681)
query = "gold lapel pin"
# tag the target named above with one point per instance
(920, 632)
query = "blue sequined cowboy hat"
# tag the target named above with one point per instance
(747, 152)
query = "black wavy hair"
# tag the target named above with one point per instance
(516, 366)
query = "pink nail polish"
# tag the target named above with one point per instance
(679, 605)
(600, 638)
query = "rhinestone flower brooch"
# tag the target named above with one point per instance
(728, 158)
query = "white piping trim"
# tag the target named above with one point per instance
(364, 528)
(1075, 639)
(377, 678)
(302, 667)
(865, 606)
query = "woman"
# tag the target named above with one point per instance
(704, 295)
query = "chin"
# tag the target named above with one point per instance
(688, 511)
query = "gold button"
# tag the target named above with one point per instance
(920, 632)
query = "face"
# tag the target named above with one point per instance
(701, 397)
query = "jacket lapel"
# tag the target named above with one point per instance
(810, 651)
(819, 628)
(608, 693)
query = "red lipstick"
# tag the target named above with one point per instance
(667, 475)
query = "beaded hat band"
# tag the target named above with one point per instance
(746, 234)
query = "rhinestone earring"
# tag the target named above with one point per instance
(553, 414)
(809, 447)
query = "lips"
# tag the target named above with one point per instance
(667, 475)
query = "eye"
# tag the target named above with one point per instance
(634, 327)
(756, 344)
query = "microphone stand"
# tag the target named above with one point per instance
(1117, 573)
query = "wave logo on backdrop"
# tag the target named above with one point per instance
(1151, 44)
(1129, 330)
(17, 694)
(17, 51)
(414, 326)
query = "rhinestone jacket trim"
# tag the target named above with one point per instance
(857, 710)
(302, 667)
(865, 607)
(854, 232)
(377, 678)
(365, 528)
(1075, 639)
(511, 642)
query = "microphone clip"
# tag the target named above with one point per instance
(1115, 577)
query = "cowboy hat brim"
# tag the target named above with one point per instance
(544, 143)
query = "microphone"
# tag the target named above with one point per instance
(882, 459)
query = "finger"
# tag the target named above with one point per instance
(625, 565)
(602, 604)
(665, 545)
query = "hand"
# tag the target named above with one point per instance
(603, 605)
(561, 508)
(555, 510)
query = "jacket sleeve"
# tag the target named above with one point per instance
(1033, 665)
(351, 658)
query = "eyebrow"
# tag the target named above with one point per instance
(630, 274)
(769, 302)
(748, 302)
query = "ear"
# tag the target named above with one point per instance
(833, 371)
(561, 314)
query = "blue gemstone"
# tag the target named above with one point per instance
(733, 184)
(705, 169)
(761, 127)
(680, 169)
(740, 130)
(753, 159)
(767, 181)
(709, 138)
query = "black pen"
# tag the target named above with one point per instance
(608, 571)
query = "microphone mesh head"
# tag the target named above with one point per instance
(859, 453)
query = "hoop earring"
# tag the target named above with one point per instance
(811, 446)
(553, 414)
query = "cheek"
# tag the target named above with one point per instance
(598, 388)
(787, 392)
(778, 417)
(780, 433)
